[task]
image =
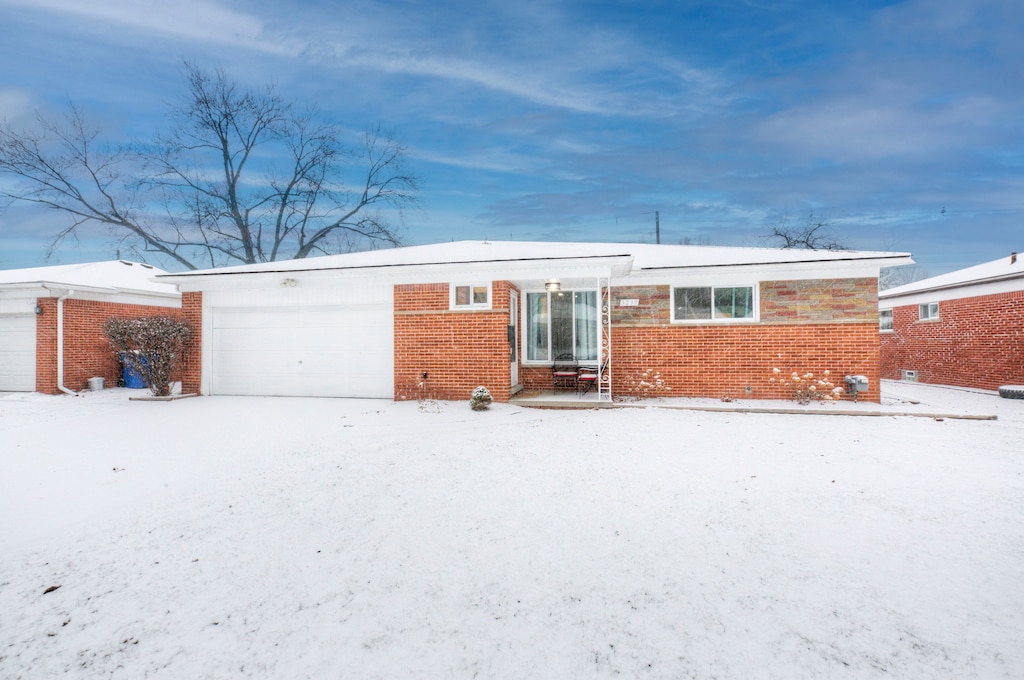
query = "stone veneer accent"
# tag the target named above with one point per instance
(805, 326)
(820, 301)
(809, 301)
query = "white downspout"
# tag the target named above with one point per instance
(60, 343)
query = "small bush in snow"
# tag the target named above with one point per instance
(805, 388)
(481, 399)
(152, 346)
(648, 384)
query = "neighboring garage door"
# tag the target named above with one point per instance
(335, 351)
(17, 352)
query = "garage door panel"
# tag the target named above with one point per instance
(17, 352)
(337, 351)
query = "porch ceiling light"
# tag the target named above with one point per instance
(288, 283)
(553, 285)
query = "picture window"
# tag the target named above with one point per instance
(714, 303)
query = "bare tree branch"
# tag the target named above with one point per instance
(238, 178)
(814, 234)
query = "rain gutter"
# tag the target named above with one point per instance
(60, 340)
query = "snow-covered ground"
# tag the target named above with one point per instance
(230, 537)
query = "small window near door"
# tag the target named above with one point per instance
(928, 311)
(471, 296)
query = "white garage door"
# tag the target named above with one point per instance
(17, 352)
(324, 351)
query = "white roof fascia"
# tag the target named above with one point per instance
(1000, 270)
(781, 257)
(958, 291)
(158, 298)
(1008, 282)
(788, 271)
(517, 261)
(490, 270)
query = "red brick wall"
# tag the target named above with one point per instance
(192, 368)
(976, 342)
(458, 350)
(87, 352)
(805, 326)
(737, 361)
(46, 347)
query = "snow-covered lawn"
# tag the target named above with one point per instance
(229, 537)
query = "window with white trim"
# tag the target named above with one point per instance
(714, 303)
(928, 311)
(471, 296)
(885, 319)
(560, 323)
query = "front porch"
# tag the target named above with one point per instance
(561, 399)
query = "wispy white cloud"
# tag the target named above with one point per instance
(193, 20)
(15, 104)
(857, 128)
(527, 51)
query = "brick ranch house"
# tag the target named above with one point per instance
(51, 321)
(438, 320)
(963, 328)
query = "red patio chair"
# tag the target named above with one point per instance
(564, 371)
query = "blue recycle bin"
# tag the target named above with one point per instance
(130, 376)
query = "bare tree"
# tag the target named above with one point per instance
(890, 277)
(814, 234)
(241, 177)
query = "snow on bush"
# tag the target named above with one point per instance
(805, 388)
(647, 384)
(481, 399)
(152, 346)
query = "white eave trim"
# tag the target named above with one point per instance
(425, 272)
(895, 294)
(894, 260)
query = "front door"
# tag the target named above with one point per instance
(513, 337)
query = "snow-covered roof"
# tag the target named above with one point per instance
(644, 256)
(115, 276)
(1004, 269)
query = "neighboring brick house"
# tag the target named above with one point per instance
(439, 320)
(963, 328)
(51, 321)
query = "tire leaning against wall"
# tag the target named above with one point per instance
(1012, 391)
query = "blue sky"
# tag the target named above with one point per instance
(902, 122)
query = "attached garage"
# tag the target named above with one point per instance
(51, 321)
(318, 351)
(17, 352)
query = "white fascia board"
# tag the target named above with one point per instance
(789, 271)
(17, 304)
(115, 295)
(20, 294)
(506, 270)
(952, 292)
(22, 290)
